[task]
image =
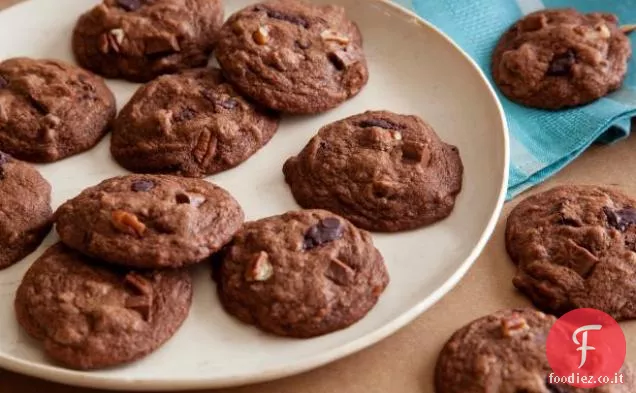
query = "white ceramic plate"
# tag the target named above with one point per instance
(414, 69)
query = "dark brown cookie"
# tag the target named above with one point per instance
(25, 210)
(92, 316)
(505, 353)
(293, 56)
(50, 110)
(191, 124)
(147, 221)
(574, 246)
(380, 170)
(561, 58)
(139, 40)
(301, 274)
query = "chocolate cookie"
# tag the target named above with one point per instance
(147, 221)
(301, 274)
(25, 210)
(139, 40)
(505, 353)
(574, 246)
(293, 56)
(90, 316)
(50, 110)
(380, 170)
(191, 124)
(561, 58)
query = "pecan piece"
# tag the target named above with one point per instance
(205, 147)
(141, 304)
(261, 36)
(339, 272)
(415, 153)
(259, 268)
(513, 326)
(128, 223)
(626, 29)
(342, 59)
(333, 36)
(139, 283)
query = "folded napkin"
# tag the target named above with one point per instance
(541, 142)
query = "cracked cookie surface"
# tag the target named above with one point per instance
(139, 40)
(25, 210)
(92, 316)
(50, 110)
(190, 124)
(293, 56)
(575, 248)
(150, 221)
(301, 274)
(505, 352)
(380, 170)
(561, 58)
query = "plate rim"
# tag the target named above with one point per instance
(310, 362)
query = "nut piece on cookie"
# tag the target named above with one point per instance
(559, 58)
(513, 325)
(259, 268)
(261, 35)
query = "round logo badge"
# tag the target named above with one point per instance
(586, 348)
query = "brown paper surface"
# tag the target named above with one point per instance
(405, 361)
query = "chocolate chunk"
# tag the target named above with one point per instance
(142, 186)
(297, 20)
(3, 82)
(230, 103)
(561, 65)
(129, 5)
(182, 198)
(327, 230)
(193, 199)
(620, 219)
(184, 115)
(4, 158)
(388, 125)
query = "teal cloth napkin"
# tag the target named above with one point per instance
(541, 142)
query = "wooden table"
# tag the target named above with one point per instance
(404, 362)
